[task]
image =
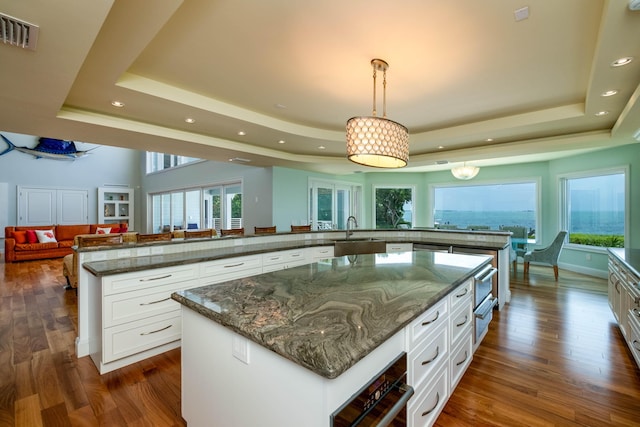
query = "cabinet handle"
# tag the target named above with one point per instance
(149, 279)
(466, 354)
(156, 331)
(635, 345)
(466, 290)
(428, 322)
(234, 265)
(295, 255)
(426, 362)
(466, 317)
(155, 302)
(425, 413)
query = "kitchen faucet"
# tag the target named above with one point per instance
(355, 222)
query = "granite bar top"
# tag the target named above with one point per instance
(328, 315)
(630, 257)
(141, 263)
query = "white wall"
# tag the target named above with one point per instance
(105, 165)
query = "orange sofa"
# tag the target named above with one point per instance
(18, 248)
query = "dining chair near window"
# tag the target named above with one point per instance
(155, 237)
(548, 255)
(265, 230)
(232, 232)
(199, 234)
(518, 242)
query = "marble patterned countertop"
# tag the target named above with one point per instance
(328, 315)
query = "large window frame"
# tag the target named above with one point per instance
(536, 181)
(411, 209)
(565, 202)
(158, 162)
(193, 207)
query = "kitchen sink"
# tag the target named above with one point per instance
(359, 246)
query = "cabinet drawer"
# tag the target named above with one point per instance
(461, 357)
(399, 247)
(461, 322)
(322, 252)
(461, 295)
(128, 307)
(147, 279)
(429, 357)
(424, 408)
(431, 320)
(283, 259)
(230, 268)
(131, 338)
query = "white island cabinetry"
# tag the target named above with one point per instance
(225, 368)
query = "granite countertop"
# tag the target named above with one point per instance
(328, 315)
(630, 257)
(141, 263)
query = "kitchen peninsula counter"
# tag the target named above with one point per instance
(327, 316)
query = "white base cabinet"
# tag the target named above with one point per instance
(263, 388)
(624, 300)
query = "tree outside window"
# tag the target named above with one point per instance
(394, 207)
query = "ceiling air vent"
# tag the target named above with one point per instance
(18, 33)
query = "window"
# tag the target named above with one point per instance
(216, 207)
(331, 203)
(487, 206)
(161, 161)
(393, 207)
(594, 208)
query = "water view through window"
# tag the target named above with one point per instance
(491, 206)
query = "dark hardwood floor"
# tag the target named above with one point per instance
(553, 357)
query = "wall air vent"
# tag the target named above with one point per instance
(18, 33)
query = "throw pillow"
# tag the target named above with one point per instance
(46, 236)
(20, 236)
(31, 236)
(115, 230)
(103, 230)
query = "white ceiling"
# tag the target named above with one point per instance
(461, 71)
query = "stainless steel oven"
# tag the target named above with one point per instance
(380, 402)
(483, 302)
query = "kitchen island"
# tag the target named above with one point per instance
(289, 347)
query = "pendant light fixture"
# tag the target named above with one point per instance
(377, 141)
(465, 172)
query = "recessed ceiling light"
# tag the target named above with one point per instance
(440, 147)
(242, 133)
(622, 61)
(322, 147)
(602, 113)
(190, 120)
(489, 140)
(117, 104)
(281, 141)
(281, 106)
(239, 159)
(609, 92)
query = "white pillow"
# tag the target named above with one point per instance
(46, 236)
(103, 230)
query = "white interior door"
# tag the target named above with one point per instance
(48, 206)
(36, 206)
(72, 207)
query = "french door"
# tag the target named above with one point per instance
(331, 203)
